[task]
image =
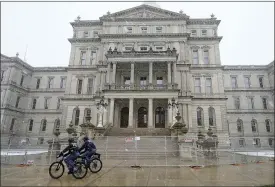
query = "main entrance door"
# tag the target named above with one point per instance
(142, 117)
(124, 117)
(160, 117)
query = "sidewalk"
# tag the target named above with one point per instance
(225, 175)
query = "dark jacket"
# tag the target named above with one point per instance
(87, 146)
(68, 150)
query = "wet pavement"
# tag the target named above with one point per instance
(112, 174)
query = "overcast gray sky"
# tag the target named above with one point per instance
(247, 28)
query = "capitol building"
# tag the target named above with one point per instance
(138, 62)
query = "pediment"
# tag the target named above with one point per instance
(145, 11)
(3, 57)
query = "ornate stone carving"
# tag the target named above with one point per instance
(205, 47)
(194, 47)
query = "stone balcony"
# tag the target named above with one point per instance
(155, 87)
(142, 56)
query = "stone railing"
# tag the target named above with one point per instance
(140, 87)
(207, 95)
(79, 96)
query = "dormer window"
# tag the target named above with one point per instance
(144, 29)
(143, 48)
(193, 33)
(86, 34)
(158, 29)
(95, 34)
(129, 29)
(204, 32)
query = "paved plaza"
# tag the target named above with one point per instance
(119, 175)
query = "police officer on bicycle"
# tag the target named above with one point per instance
(88, 147)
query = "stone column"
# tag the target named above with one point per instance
(88, 57)
(200, 56)
(111, 117)
(150, 113)
(170, 113)
(189, 107)
(174, 72)
(97, 82)
(131, 112)
(132, 74)
(105, 114)
(114, 73)
(85, 85)
(169, 73)
(108, 73)
(102, 82)
(150, 73)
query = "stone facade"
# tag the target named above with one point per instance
(138, 60)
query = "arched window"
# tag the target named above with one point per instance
(30, 124)
(254, 125)
(267, 125)
(43, 125)
(57, 124)
(160, 117)
(12, 124)
(200, 116)
(76, 113)
(212, 116)
(87, 113)
(142, 117)
(240, 125)
(124, 117)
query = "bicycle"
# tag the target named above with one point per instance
(94, 163)
(58, 165)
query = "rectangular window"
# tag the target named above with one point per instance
(234, 82)
(79, 86)
(83, 58)
(250, 102)
(270, 142)
(40, 141)
(158, 29)
(143, 48)
(2, 75)
(197, 85)
(90, 86)
(31, 125)
(247, 82)
(93, 57)
(204, 32)
(58, 103)
(129, 29)
(256, 142)
(128, 48)
(126, 80)
(159, 80)
(50, 82)
(241, 142)
(142, 81)
(159, 48)
(37, 83)
(195, 57)
(12, 124)
(261, 82)
(63, 82)
(206, 56)
(143, 29)
(264, 103)
(22, 80)
(17, 102)
(86, 34)
(237, 103)
(193, 33)
(34, 100)
(95, 34)
(46, 103)
(208, 83)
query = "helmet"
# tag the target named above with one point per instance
(85, 138)
(71, 140)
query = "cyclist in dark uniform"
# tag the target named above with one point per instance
(88, 147)
(70, 153)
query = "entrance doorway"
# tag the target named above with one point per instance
(124, 117)
(142, 117)
(160, 118)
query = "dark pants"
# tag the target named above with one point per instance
(89, 154)
(69, 160)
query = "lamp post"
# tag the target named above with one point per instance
(101, 106)
(174, 106)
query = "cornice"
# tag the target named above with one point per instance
(86, 23)
(50, 69)
(244, 68)
(219, 38)
(203, 21)
(83, 40)
(143, 19)
(17, 61)
(147, 35)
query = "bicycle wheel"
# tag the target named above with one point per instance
(81, 170)
(56, 167)
(95, 165)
